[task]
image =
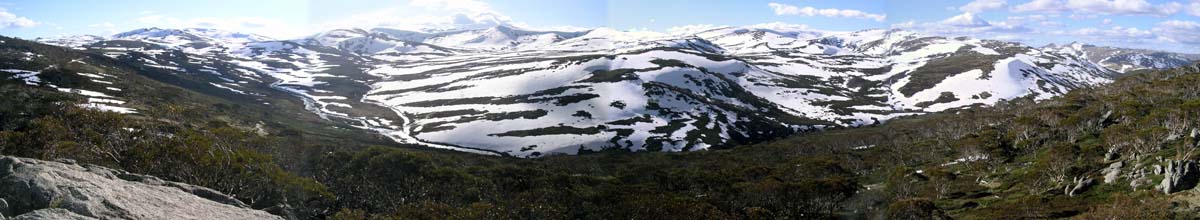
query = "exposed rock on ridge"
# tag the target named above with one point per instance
(36, 189)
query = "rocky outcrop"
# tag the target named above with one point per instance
(35, 189)
(1113, 172)
(1139, 176)
(1180, 175)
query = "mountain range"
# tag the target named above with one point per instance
(511, 91)
(1124, 59)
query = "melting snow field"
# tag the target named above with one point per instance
(100, 101)
(470, 87)
(29, 77)
(509, 91)
(95, 100)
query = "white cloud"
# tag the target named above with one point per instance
(1176, 31)
(1175, 35)
(800, 29)
(970, 24)
(564, 28)
(466, 6)
(1041, 6)
(1106, 21)
(690, 29)
(1079, 16)
(905, 25)
(1106, 7)
(786, 27)
(1112, 35)
(781, 26)
(1194, 8)
(1052, 24)
(967, 19)
(429, 15)
(1010, 37)
(107, 26)
(392, 17)
(785, 9)
(10, 20)
(413, 15)
(155, 19)
(978, 6)
(1169, 8)
(1025, 19)
(102, 25)
(256, 25)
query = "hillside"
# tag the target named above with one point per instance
(1077, 154)
(509, 91)
(1095, 153)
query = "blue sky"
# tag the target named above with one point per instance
(1155, 24)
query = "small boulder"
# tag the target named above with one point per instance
(1179, 175)
(1139, 178)
(1113, 172)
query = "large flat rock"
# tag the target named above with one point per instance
(36, 189)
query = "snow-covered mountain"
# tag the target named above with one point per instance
(188, 36)
(757, 38)
(500, 37)
(195, 40)
(506, 90)
(74, 42)
(376, 43)
(1124, 59)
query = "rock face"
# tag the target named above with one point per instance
(1179, 176)
(35, 189)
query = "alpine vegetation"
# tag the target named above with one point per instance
(511, 91)
(600, 109)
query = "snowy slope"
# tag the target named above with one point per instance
(759, 38)
(188, 36)
(506, 90)
(561, 101)
(364, 42)
(73, 42)
(501, 37)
